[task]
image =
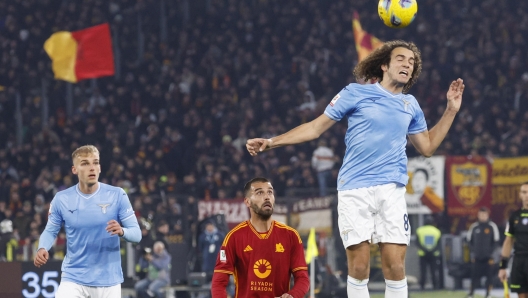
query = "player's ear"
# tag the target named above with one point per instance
(74, 170)
(384, 67)
(246, 201)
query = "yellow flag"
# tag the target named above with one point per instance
(311, 247)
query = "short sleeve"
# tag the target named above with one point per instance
(342, 104)
(125, 207)
(54, 213)
(418, 124)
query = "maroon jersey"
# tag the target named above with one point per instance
(261, 263)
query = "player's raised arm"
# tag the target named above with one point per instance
(300, 134)
(428, 141)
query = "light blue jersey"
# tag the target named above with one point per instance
(378, 124)
(93, 257)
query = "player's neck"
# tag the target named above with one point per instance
(88, 188)
(391, 86)
(260, 225)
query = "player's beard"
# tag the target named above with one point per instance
(262, 214)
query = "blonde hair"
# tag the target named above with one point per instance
(84, 151)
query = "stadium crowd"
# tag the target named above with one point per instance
(194, 84)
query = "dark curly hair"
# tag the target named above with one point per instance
(370, 68)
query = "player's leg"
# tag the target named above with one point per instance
(156, 286)
(394, 231)
(358, 260)
(489, 275)
(71, 290)
(141, 287)
(356, 225)
(519, 276)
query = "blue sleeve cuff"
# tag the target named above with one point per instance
(131, 230)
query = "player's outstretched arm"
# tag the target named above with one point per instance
(300, 134)
(428, 141)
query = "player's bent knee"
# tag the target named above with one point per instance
(394, 271)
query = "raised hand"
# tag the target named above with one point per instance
(454, 95)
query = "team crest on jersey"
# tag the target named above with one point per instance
(406, 104)
(103, 207)
(334, 100)
(279, 247)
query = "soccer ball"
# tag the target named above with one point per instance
(397, 13)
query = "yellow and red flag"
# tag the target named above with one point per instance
(365, 42)
(82, 54)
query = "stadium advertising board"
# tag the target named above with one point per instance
(23, 279)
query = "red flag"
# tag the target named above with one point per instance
(82, 54)
(365, 42)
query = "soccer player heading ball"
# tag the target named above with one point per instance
(371, 181)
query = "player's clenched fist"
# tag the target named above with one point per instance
(254, 146)
(41, 258)
(114, 228)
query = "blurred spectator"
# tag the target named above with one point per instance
(428, 240)
(158, 276)
(483, 238)
(323, 160)
(8, 241)
(162, 232)
(209, 244)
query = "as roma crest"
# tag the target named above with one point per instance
(469, 182)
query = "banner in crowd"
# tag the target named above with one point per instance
(312, 213)
(508, 175)
(468, 189)
(300, 214)
(425, 190)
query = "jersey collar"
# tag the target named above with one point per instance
(386, 91)
(259, 235)
(87, 196)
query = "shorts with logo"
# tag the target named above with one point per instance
(377, 214)
(519, 274)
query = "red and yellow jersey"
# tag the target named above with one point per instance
(262, 263)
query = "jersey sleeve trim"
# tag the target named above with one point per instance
(330, 116)
(417, 131)
(223, 271)
(299, 268)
